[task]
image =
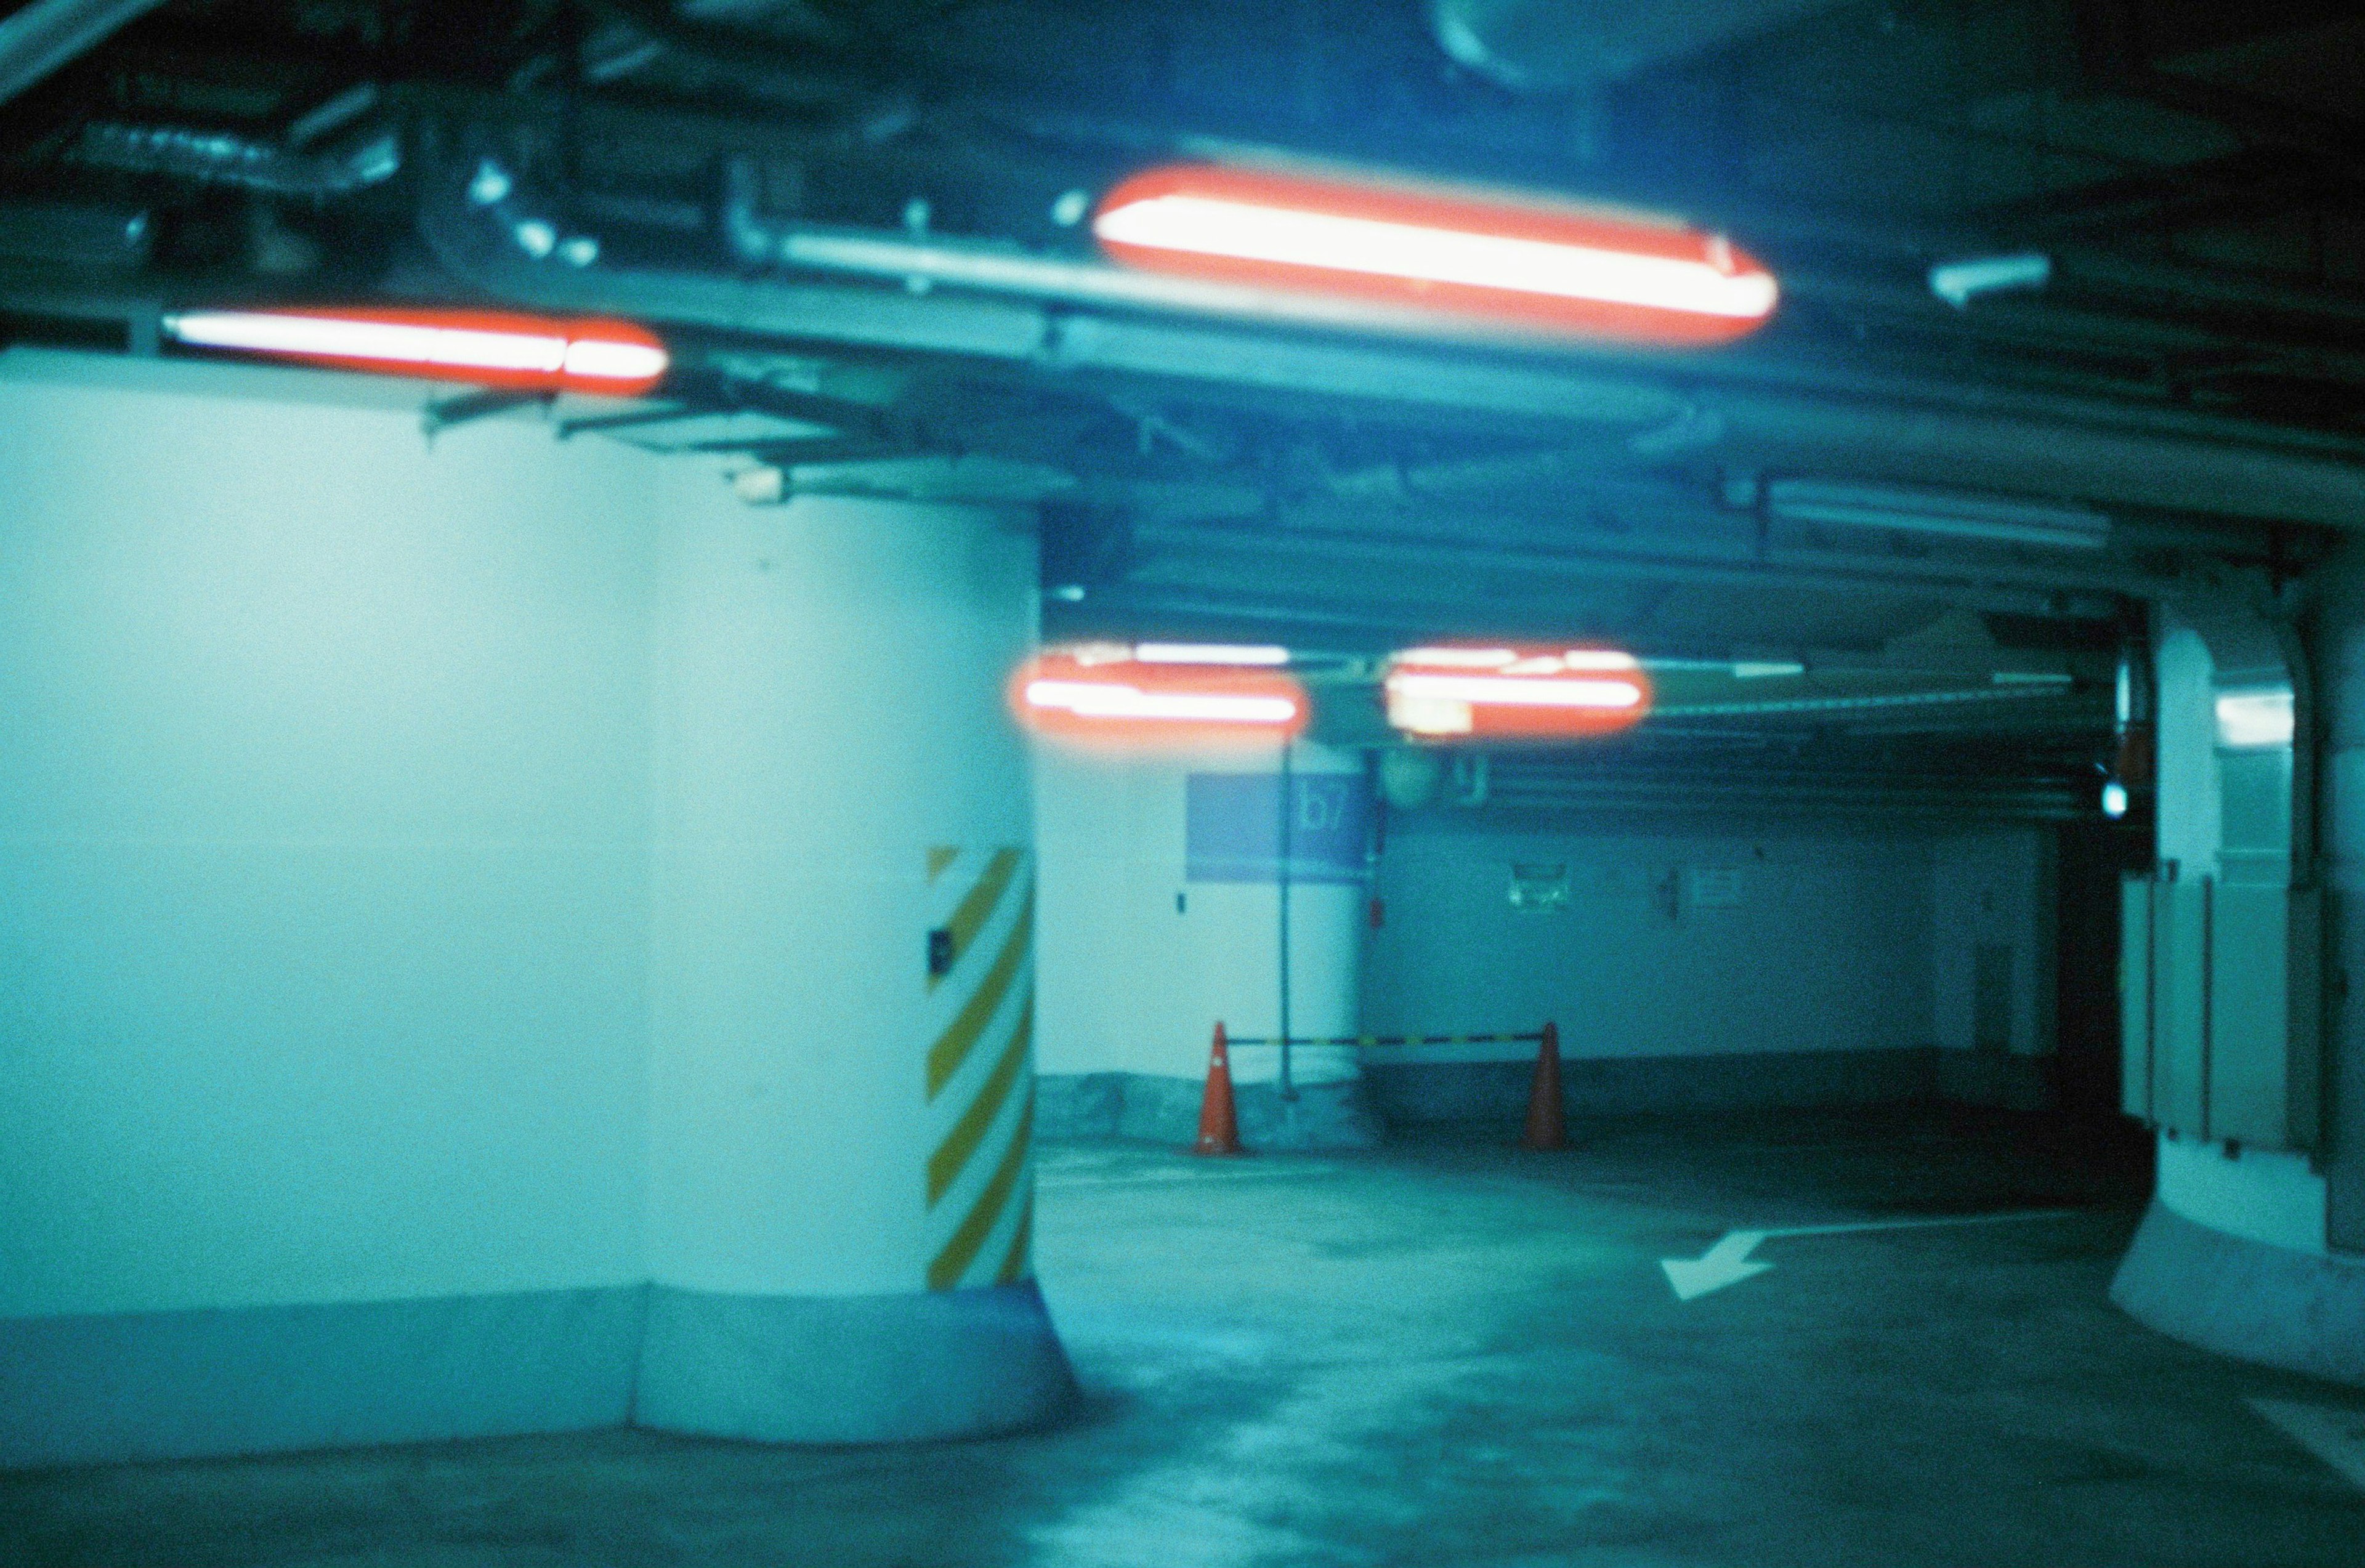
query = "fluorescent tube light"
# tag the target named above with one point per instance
(1958, 514)
(1515, 691)
(1211, 227)
(1110, 699)
(1101, 694)
(1549, 265)
(1539, 693)
(615, 358)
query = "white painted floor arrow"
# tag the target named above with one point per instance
(1728, 1262)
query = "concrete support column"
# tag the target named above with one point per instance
(841, 1089)
(2256, 1252)
(1163, 917)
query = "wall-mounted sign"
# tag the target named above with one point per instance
(1232, 827)
(1713, 887)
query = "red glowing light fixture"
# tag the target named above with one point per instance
(484, 347)
(1514, 691)
(1559, 267)
(1107, 694)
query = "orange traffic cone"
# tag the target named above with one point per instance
(1543, 1095)
(1219, 1119)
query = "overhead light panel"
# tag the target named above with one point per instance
(480, 347)
(1110, 695)
(1514, 693)
(1952, 513)
(1557, 268)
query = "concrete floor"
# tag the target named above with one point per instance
(1445, 1352)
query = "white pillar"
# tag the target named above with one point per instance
(841, 1189)
(2244, 1250)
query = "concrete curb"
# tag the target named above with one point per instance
(2246, 1299)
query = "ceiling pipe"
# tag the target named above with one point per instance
(2076, 451)
(921, 260)
(39, 39)
(217, 158)
(2047, 446)
(2200, 472)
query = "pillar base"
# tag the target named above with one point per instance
(2247, 1299)
(859, 1369)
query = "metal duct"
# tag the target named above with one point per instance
(79, 235)
(216, 158)
(36, 40)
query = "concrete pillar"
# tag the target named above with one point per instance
(2253, 1252)
(841, 1190)
(1161, 916)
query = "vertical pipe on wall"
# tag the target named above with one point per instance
(1288, 813)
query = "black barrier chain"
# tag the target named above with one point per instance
(1382, 1039)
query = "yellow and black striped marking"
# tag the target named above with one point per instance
(980, 1070)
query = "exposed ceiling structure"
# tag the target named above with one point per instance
(857, 223)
